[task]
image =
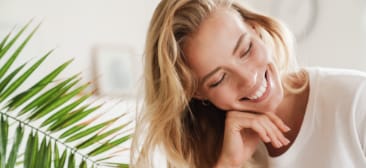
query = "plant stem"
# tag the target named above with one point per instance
(72, 149)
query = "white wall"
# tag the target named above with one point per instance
(339, 35)
(76, 26)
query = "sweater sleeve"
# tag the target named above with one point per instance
(361, 115)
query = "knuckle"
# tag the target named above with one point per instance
(255, 125)
(263, 118)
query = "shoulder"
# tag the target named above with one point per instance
(332, 79)
(341, 92)
(337, 89)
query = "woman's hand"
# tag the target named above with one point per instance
(243, 131)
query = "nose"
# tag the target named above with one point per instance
(246, 78)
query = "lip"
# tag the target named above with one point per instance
(266, 92)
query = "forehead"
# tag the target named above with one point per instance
(214, 41)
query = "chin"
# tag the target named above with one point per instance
(269, 106)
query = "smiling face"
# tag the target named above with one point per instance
(234, 67)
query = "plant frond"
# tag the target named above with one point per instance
(22, 78)
(14, 151)
(15, 55)
(21, 98)
(5, 48)
(3, 42)
(63, 99)
(52, 123)
(90, 130)
(7, 79)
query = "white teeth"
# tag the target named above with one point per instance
(260, 91)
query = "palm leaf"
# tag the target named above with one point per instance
(59, 105)
(41, 153)
(79, 127)
(40, 85)
(2, 43)
(64, 111)
(32, 152)
(5, 49)
(62, 100)
(42, 99)
(72, 118)
(15, 55)
(56, 155)
(28, 151)
(62, 159)
(71, 161)
(99, 137)
(14, 151)
(109, 145)
(50, 97)
(22, 78)
(48, 158)
(119, 165)
(83, 164)
(7, 79)
(91, 130)
(4, 126)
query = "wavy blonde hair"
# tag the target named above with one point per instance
(188, 133)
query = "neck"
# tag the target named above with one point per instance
(293, 105)
(291, 110)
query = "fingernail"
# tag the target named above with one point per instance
(279, 145)
(287, 129)
(287, 141)
(267, 139)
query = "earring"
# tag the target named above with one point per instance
(205, 102)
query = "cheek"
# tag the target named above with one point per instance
(223, 98)
(263, 52)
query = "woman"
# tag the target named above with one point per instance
(222, 89)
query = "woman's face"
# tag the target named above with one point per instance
(234, 66)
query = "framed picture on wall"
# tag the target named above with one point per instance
(115, 70)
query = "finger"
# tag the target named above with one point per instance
(274, 140)
(241, 123)
(261, 124)
(274, 132)
(261, 131)
(249, 120)
(277, 120)
(241, 114)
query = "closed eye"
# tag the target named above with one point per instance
(218, 82)
(247, 51)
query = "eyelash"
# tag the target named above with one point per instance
(247, 51)
(223, 77)
(218, 82)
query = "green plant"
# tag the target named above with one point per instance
(46, 124)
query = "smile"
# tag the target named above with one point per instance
(261, 93)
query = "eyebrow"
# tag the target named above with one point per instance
(238, 42)
(218, 68)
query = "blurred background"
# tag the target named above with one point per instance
(107, 37)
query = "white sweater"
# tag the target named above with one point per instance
(333, 133)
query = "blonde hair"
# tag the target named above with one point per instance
(189, 134)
